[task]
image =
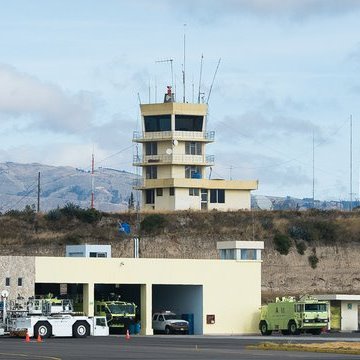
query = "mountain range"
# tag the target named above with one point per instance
(62, 184)
(112, 189)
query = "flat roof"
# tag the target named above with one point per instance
(233, 244)
(345, 297)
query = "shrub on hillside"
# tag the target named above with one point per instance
(311, 230)
(28, 214)
(53, 215)
(267, 223)
(282, 243)
(72, 211)
(313, 260)
(300, 231)
(301, 247)
(153, 223)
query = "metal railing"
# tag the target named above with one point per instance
(173, 159)
(172, 135)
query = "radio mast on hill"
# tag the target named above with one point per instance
(92, 179)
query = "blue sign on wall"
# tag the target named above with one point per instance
(124, 228)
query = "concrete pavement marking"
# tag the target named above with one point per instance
(28, 355)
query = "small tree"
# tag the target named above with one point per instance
(313, 259)
(282, 243)
(300, 247)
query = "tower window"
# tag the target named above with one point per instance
(7, 281)
(192, 172)
(20, 281)
(217, 196)
(171, 191)
(188, 122)
(193, 192)
(159, 192)
(150, 196)
(151, 148)
(151, 172)
(192, 148)
(157, 123)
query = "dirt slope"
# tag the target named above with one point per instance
(333, 238)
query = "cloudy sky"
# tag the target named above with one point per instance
(71, 71)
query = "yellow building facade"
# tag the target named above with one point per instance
(224, 296)
(174, 161)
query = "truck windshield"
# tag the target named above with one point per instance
(171, 317)
(119, 309)
(315, 307)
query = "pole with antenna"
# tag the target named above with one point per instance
(213, 80)
(92, 179)
(184, 64)
(313, 169)
(201, 66)
(38, 193)
(170, 60)
(351, 164)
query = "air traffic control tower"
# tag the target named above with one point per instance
(174, 161)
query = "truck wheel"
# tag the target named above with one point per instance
(81, 329)
(167, 330)
(292, 328)
(264, 329)
(42, 328)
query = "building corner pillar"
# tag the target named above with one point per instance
(146, 309)
(88, 299)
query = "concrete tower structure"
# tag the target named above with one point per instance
(174, 161)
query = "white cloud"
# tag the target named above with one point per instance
(44, 105)
(294, 9)
(254, 125)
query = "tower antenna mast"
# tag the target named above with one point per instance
(92, 179)
(351, 165)
(170, 60)
(313, 169)
(201, 66)
(212, 83)
(184, 64)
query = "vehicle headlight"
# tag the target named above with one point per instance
(306, 320)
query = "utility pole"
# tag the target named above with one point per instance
(92, 180)
(38, 194)
(313, 170)
(351, 164)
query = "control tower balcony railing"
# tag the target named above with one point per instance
(204, 136)
(174, 159)
(141, 183)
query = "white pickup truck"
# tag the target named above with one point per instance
(168, 322)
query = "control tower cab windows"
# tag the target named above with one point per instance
(157, 123)
(189, 122)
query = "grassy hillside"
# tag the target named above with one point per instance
(313, 251)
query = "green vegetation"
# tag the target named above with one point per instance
(313, 260)
(153, 224)
(314, 229)
(301, 247)
(282, 243)
(72, 211)
(28, 214)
